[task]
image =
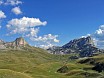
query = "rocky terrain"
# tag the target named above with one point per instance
(18, 43)
(84, 47)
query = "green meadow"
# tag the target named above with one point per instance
(37, 63)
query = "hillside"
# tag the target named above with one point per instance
(37, 63)
(26, 61)
(30, 62)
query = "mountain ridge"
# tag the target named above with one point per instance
(17, 43)
(83, 46)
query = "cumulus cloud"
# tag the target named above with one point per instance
(10, 2)
(98, 37)
(13, 2)
(46, 46)
(46, 40)
(16, 10)
(99, 34)
(2, 14)
(24, 24)
(100, 31)
(33, 32)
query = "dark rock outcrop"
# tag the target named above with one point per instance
(98, 67)
(88, 61)
(73, 57)
(63, 69)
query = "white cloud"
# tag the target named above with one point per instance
(100, 31)
(99, 34)
(46, 46)
(10, 2)
(13, 2)
(46, 41)
(98, 37)
(33, 32)
(16, 10)
(2, 14)
(45, 38)
(24, 25)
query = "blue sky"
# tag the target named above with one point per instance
(66, 19)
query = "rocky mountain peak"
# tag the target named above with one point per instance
(77, 43)
(89, 40)
(2, 44)
(1, 41)
(20, 42)
(83, 46)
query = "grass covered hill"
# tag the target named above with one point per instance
(37, 63)
(20, 60)
(29, 62)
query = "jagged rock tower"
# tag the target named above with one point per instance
(20, 42)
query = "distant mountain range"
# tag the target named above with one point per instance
(17, 44)
(84, 47)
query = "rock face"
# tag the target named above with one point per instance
(83, 46)
(78, 43)
(18, 43)
(2, 44)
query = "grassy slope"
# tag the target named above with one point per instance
(37, 63)
(32, 61)
(6, 73)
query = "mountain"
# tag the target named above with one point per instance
(83, 46)
(78, 43)
(18, 43)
